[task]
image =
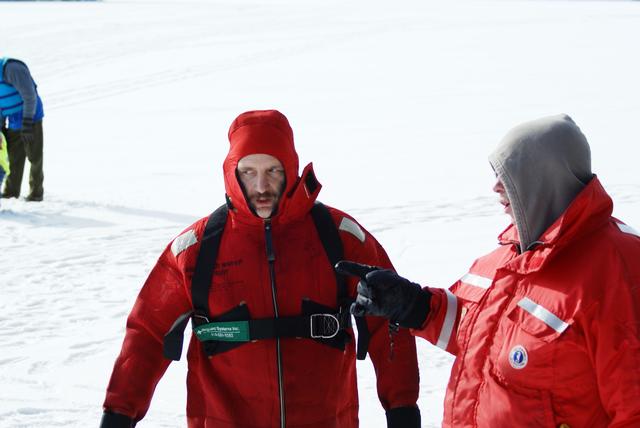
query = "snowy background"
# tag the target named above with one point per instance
(397, 104)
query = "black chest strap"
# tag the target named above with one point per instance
(316, 322)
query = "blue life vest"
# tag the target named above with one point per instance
(11, 102)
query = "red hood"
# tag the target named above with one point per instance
(268, 132)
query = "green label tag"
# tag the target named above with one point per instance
(231, 331)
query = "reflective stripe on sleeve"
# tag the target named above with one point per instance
(477, 280)
(449, 320)
(543, 314)
(183, 242)
(352, 227)
(627, 229)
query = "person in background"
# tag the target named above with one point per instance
(4, 158)
(21, 116)
(546, 328)
(273, 344)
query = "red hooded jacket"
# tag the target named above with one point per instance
(549, 337)
(240, 387)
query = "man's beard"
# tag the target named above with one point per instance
(270, 198)
(273, 197)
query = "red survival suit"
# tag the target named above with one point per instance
(549, 337)
(240, 387)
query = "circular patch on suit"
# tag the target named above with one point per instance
(518, 357)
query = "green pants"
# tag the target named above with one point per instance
(18, 151)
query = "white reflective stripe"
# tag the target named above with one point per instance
(183, 242)
(352, 227)
(543, 314)
(477, 280)
(627, 229)
(449, 320)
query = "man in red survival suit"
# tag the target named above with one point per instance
(273, 343)
(546, 328)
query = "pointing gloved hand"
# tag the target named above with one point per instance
(382, 292)
(27, 132)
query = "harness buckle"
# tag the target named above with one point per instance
(327, 326)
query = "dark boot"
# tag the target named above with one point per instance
(33, 198)
(34, 154)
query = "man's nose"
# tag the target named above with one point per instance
(262, 183)
(498, 187)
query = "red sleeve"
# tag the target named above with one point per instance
(613, 338)
(141, 363)
(442, 324)
(397, 377)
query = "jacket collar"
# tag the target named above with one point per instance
(589, 211)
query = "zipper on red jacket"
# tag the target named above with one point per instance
(271, 258)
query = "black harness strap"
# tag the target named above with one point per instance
(172, 343)
(206, 261)
(322, 325)
(328, 233)
(200, 284)
(330, 238)
(302, 326)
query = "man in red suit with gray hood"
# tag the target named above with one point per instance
(545, 329)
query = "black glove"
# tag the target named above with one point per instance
(116, 420)
(382, 292)
(403, 417)
(27, 132)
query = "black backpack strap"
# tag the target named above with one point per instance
(363, 338)
(206, 261)
(200, 284)
(328, 233)
(332, 244)
(172, 342)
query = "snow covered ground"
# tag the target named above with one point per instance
(397, 104)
